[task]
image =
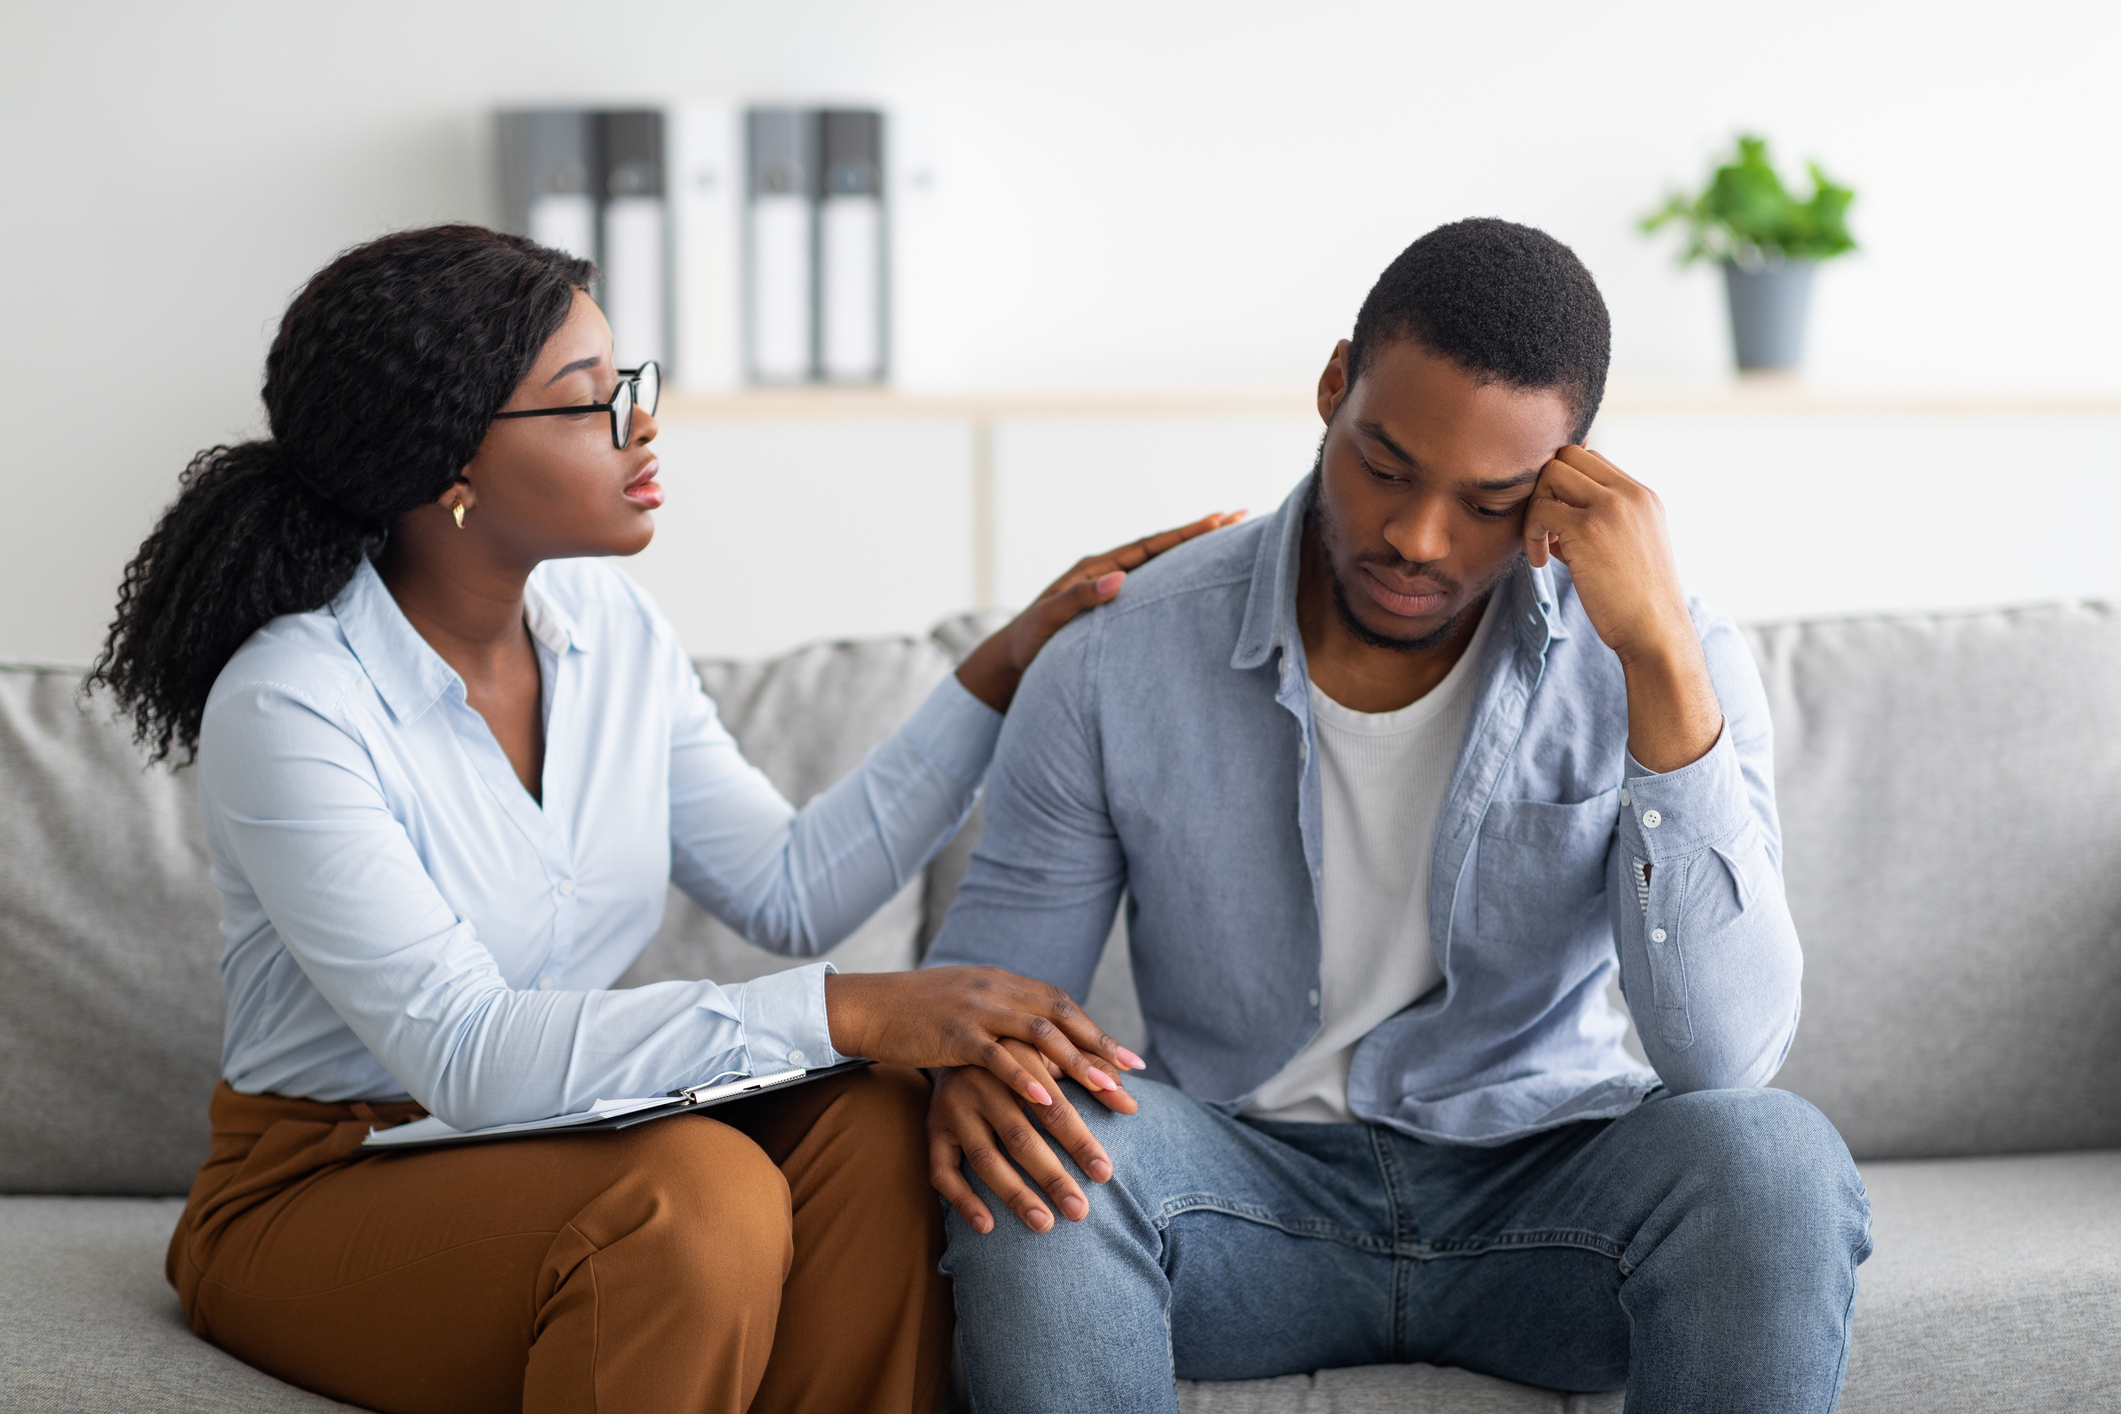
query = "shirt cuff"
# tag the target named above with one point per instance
(784, 1021)
(1677, 812)
(955, 730)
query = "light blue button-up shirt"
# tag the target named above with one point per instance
(1164, 746)
(401, 918)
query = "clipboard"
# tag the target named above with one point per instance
(602, 1117)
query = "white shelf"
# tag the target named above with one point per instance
(1752, 396)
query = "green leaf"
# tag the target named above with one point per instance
(1746, 215)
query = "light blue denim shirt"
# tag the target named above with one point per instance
(401, 918)
(1164, 746)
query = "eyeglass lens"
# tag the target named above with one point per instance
(643, 388)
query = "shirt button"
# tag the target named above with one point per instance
(1312, 996)
(544, 984)
(1651, 819)
(1656, 935)
(795, 1058)
(566, 886)
(1623, 795)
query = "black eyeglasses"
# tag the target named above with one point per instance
(638, 387)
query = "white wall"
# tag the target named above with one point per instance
(1136, 195)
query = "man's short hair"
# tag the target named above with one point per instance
(1507, 303)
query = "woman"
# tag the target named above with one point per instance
(448, 766)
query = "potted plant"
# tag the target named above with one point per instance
(1768, 243)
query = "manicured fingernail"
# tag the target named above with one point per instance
(1099, 1080)
(1075, 1208)
(1109, 584)
(1100, 1171)
(1041, 1219)
(1131, 1061)
(1039, 1095)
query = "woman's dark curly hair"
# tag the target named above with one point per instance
(387, 370)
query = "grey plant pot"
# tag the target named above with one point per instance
(1768, 309)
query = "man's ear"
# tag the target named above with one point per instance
(1333, 383)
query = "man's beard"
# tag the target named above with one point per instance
(1325, 531)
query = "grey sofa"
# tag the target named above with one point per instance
(1951, 795)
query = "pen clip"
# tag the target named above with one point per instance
(719, 1089)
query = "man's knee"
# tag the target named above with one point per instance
(1773, 1163)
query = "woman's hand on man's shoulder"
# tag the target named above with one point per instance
(992, 671)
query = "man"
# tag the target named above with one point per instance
(1393, 780)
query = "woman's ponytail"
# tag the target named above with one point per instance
(245, 542)
(384, 377)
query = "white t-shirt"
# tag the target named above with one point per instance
(1384, 776)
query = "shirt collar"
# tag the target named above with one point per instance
(408, 674)
(1270, 609)
(550, 624)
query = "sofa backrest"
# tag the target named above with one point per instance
(1951, 803)
(1950, 788)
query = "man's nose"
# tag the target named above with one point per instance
(1420, 531)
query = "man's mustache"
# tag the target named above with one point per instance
(1411, 569)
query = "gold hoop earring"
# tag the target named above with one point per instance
(457, 510)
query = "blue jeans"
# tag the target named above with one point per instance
(1700, 1251)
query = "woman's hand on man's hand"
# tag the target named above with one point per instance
(992, 670)
(1025, 1032)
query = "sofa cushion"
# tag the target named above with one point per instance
(1386, 1389)
(1951, 804)
(90, 1326)
(1995, 1287)
(110, 1011)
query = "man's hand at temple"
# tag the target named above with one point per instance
(1608, 528)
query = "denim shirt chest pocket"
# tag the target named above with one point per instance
(1541, 876)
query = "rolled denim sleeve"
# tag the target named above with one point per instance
(1711, 966)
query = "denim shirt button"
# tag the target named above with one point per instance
(1651, 819)
(1312, 996)
(1657, 935)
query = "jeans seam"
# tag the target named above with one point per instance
(1249, 1212)
(1402, 1273)
(1518, 1241)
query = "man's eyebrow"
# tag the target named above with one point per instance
(1508, 483)
(1376, 432)
(576, 367)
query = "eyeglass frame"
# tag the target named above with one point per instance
(629, 378)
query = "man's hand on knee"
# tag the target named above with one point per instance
(974, 1118)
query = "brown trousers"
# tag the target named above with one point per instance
(775, 1255)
